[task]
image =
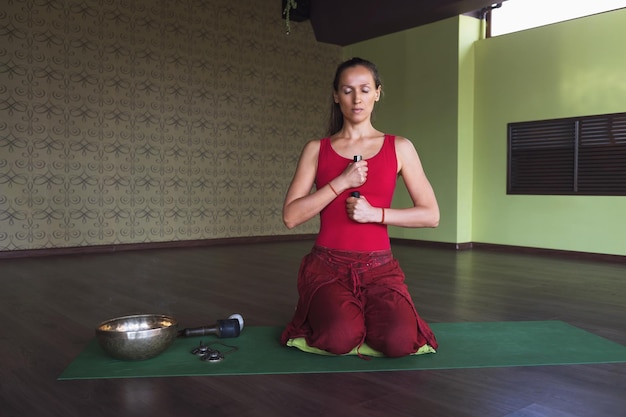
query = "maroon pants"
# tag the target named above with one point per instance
(349, 298)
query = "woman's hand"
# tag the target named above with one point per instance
(361, 211)
(353, 176)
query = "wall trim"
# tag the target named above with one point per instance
(88, 250)
(590, 256)
(433, 244)
(515, 250)
(97, 249)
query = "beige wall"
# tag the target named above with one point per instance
(152, 121)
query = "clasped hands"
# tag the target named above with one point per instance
(358, 208)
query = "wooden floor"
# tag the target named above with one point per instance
(50, 306)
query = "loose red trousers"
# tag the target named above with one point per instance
(348, 298)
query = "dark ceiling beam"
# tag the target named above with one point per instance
(344, 22)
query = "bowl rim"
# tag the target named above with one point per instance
(169, 318)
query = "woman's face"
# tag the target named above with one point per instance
(356, 94)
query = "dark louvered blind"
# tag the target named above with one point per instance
(573, 156)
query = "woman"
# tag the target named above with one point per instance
(351, 289)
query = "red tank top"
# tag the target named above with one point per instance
(337, 230)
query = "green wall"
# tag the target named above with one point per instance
(469, 31)
(569, 69)
(419, 71)
(453, 94)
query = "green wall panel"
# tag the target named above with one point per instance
(568, 69)
(453, 97)
(419, 70)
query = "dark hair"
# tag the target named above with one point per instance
(335, 122)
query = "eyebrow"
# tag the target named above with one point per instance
(350, 86)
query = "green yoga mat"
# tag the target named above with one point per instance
(461, 345)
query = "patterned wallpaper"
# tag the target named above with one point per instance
(130, 121)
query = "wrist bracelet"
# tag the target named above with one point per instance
(332, 189)
(382, 221)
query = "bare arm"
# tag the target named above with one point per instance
(425, 210)
(300, 203)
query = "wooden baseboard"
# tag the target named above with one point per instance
(591, 256)
(83, 250)
(433, 244)
(286, 238)
(514, 250)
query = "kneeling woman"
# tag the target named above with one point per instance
(351, 288)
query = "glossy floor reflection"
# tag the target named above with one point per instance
(49, 308)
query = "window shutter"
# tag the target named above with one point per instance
(602, 155)
(573, 156)
(541, 157)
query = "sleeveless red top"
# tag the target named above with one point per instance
(337, 230)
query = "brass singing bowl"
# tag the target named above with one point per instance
(137, 337)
